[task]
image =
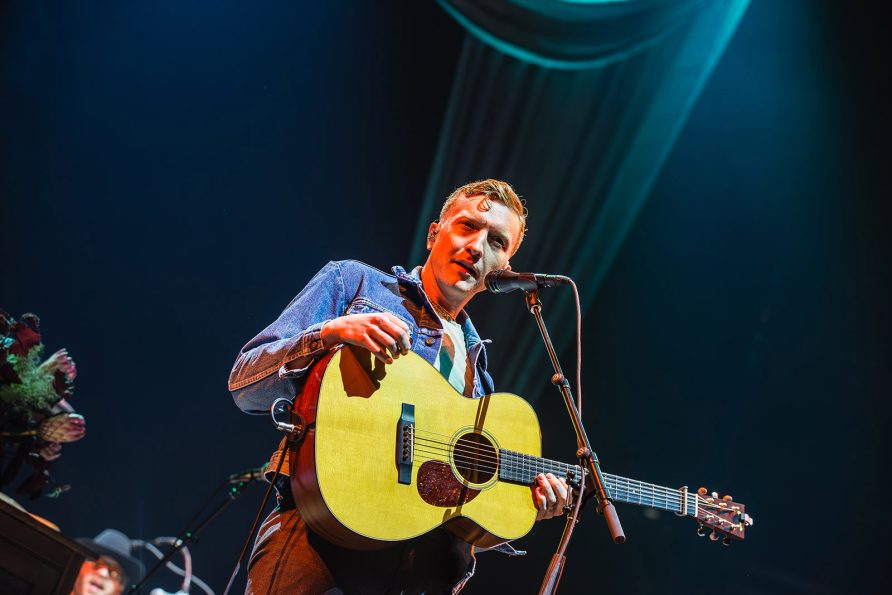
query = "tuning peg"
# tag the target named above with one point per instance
(727, 498)
(713, 536)
(715, 495)
(726, 541)
(702, 491)
(701, 530)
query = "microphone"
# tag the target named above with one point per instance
(248, 474)
(502, 281)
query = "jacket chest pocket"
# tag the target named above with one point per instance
(363, 305)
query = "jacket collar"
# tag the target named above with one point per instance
(413, 278)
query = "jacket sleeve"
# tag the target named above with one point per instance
(274, 363)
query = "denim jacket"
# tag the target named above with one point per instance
(275, 363)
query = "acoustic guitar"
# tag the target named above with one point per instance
(392, 452)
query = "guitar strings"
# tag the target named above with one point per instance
(670, 500)
(671, 503)
(491, 465)
(472, 454)
(669, 496)
(476, 453)
(491, 458)
(488, 453)
(522, 461)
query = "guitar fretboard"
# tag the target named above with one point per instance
(516, 467)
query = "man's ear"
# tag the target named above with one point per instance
(508, 266)
(432, 231)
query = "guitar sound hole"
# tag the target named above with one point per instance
(475, 458)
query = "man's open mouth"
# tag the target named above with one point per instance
(470, 269)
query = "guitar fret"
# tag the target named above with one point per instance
(522, 468)
(646, 494)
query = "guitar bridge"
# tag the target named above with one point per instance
(405, 444)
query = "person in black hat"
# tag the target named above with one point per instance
(114, 567)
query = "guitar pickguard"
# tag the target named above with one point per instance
(438, 486)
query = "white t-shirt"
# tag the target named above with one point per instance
(453, 359)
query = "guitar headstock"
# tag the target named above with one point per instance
(721, 514)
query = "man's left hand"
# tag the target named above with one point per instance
(550, 496)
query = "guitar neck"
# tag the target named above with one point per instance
(520, 468)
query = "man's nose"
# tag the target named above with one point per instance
(475, 245)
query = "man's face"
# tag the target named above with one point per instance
(98, 578)
(477, 236)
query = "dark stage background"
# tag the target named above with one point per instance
(173, 173)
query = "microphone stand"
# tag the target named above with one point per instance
(191, 537)
(588, 460)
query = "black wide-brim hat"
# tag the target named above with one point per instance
(116, 545)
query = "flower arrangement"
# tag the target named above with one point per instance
(35, 416)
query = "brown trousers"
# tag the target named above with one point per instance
(289, 558)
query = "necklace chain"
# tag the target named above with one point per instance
(442, 312)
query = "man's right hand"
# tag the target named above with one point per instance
(382, 333)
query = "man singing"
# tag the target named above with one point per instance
(481, 226)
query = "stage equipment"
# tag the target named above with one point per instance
(185, 571)
(726, 519)
(36, 559)
(503, 281)
(193, 527)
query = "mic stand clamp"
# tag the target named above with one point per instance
(588, 460)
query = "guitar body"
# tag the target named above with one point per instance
(394, 451)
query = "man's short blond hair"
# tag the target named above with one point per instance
(493, 190)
